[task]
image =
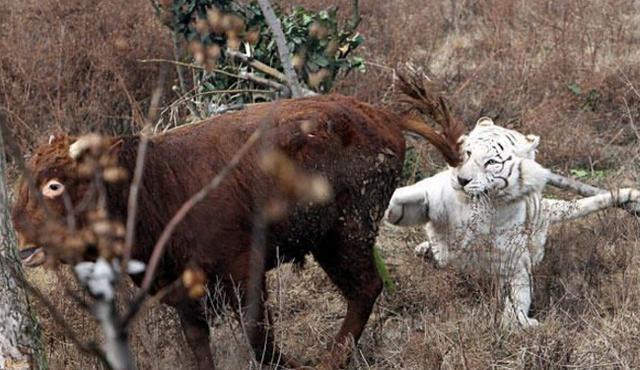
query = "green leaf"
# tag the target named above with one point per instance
(321, 61)
(383, 272)
(579, 173)
(574, 88)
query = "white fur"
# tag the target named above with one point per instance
(485, 226)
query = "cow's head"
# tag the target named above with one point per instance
(55, 198)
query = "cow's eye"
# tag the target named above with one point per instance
(52, 189)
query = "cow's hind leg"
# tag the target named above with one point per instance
(347, 257)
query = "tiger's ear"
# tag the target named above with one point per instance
(529, 149)
(484, 122)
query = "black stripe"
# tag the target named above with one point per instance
(506, 183)
(520, 173)
(511, 169)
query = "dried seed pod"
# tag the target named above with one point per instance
(316, 79)
(115, 174)
(318, 190)
(102, 228)
(233, 40)
(214, 51)
(202, 26)
(194, 281)
(298, 61)
(332, 48)
(214, 17)
(197, 291)
(165, 4)
(318, 31)
(252, 36)
(307, 126)
(197, 49)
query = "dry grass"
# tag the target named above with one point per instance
(515, 61)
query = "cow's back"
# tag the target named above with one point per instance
(358, 148)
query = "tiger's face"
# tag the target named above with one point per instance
(492, 160)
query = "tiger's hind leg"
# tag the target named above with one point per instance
(517, 279)
(438, 253)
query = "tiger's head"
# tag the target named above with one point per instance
(498, 162)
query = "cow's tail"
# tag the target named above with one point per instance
(413, 87)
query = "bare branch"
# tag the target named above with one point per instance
(244, 76)
(132, 205)
(283, 50)
(257, 65)
(179, 70)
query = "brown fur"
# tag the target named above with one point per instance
(359, 149)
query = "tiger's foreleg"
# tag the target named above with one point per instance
(409, 206)
(436, 251)
(561, 210)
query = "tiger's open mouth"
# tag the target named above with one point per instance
(32, 257)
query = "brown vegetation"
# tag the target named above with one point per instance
(567, 71)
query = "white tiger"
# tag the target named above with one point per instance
(489, 212)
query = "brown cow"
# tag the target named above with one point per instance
(359, 149)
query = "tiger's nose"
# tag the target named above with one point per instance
(462, 181)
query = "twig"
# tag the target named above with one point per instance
(263, 81)
(20, 120)
(125, 320)
(132, 206)
(176, 55)
(631, 123)
(257, 64)
(189, 65)
(283, 50)
(245, 76)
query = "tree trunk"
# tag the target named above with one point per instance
(20, 345)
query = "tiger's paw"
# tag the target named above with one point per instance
(434, 253)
